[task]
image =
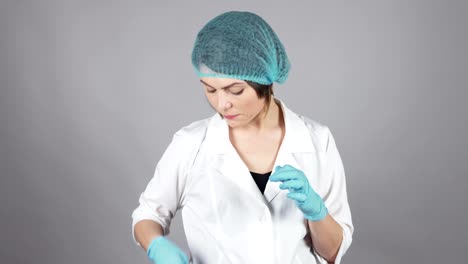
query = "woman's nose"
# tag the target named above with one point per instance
(223, 102)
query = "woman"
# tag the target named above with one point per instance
(256, 182)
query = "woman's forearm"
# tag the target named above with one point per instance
(326, 236)
(146, 231)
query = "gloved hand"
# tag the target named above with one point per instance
(308, 201)
(163, 251)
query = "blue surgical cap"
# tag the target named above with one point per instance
(240, 45)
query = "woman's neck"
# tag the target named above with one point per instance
(264, 122)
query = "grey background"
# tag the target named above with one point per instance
(92, 91)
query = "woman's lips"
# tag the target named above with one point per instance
(230, 116)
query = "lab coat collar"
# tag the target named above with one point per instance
(296, 140)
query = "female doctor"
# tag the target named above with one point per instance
(255, 182)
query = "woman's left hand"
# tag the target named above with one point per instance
(307, 200)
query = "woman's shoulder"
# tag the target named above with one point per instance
(313, 125)
(194, 131)
(319, 132)
(187, 140)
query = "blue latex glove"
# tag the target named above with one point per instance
(162, 251)
(308, 201)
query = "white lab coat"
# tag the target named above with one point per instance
(226, 218)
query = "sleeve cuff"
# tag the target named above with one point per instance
(140, 217)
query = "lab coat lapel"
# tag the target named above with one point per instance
(234, 168)
(230, 164)
(272, 188)
(296, 140)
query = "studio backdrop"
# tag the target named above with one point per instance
(91, 93)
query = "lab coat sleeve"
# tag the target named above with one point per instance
(335, 198)
(164, 194)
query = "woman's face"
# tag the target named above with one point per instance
(234, 99)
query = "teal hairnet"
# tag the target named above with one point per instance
(240, 45)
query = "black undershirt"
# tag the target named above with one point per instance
(261, 179)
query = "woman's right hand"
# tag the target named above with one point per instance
(162, 251)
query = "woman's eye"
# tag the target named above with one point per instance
(210, 91)
(237, 92)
